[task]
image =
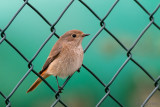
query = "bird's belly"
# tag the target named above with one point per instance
(66, 65)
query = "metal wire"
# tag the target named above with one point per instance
(103, 28)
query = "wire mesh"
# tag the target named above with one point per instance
(108, 92)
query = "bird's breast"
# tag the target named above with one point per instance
(69, 61)
(74, 57)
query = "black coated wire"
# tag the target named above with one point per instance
(103, 27)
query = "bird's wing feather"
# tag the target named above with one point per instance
(52, 56)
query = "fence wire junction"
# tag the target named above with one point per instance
(103, 28)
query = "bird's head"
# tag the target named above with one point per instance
(74, 36)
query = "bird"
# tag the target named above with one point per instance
(65, 57)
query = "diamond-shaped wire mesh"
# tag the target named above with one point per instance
(102, 24)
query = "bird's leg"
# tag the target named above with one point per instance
(59, 88)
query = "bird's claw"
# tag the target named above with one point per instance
(78, 70)
(60, 89)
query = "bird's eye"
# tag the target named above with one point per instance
(74, 35)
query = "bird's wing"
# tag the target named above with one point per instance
(53, 55)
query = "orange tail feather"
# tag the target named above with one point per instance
(37, 82)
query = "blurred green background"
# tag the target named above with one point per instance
(104, 57)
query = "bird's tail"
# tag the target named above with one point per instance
(38, 81)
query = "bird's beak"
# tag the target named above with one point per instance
(84, 35)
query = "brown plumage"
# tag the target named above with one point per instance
(65, 57)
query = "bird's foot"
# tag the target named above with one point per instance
(78, 70)
(60, 89)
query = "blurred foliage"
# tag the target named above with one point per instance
(28, 31)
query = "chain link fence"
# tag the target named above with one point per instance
(108, 92)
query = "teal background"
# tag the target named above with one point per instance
(104, 57)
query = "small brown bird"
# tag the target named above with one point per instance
(64, 59)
